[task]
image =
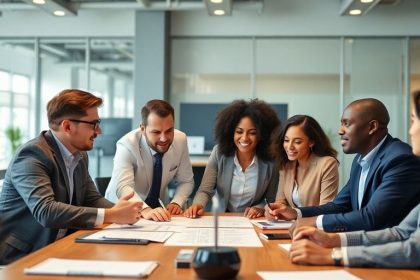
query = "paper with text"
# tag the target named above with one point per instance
(204, 221)
(240, 237)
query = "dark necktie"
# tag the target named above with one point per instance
(153, 197)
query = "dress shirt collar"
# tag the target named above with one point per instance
(367, 159)
(68, 157)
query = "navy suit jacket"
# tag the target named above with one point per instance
(392, 189)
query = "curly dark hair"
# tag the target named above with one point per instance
(262, 115)
(322, 145)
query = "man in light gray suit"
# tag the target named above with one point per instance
(396, 247)
(148, 159)
(47, 188)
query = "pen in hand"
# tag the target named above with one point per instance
(268, 204)
(161, 204)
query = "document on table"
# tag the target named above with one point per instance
(155, 226)
(304, 275)
(179, 223)
(130, 234)
(286, 246)
(240, 237)
(266, 224)
(223, 222)
(54, 266)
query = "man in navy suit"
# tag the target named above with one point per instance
(384, 182)
(396, 247)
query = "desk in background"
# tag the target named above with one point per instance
(267, 258)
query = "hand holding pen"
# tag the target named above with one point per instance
(269, 211)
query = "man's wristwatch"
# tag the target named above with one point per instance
(337, 256)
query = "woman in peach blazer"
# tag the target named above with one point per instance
(308, 164)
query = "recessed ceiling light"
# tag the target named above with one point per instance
(38, 2)
(59, 13)
(216, 1)
(355, 12)
(366, 1)
(219, 12)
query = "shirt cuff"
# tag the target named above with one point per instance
(298, 213)
(343, 239)
(345, 257)
(319, 222)
(100, 217)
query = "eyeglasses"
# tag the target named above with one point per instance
(95, 124)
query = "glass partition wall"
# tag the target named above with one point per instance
(32, 71)
(314, 76)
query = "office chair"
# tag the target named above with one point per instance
(102, 184)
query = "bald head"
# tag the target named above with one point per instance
(371, 109)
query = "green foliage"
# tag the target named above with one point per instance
(15, 137)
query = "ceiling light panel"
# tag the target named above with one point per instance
(219, 7)
(54, 7)
(352, 7)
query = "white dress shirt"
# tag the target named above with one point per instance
(244, 185)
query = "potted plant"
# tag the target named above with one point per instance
(15, 137)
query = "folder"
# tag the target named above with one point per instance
(90, 238)
(69, 267)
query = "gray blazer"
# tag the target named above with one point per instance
(218, 176)
(34, 202)
(396, 247)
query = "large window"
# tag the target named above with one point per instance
(103, 66)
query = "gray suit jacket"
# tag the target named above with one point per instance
(218, 176)
(397, 247)
(34, 202)
(133, 168)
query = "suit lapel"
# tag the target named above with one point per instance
(228, 177)
(356, 170)
(147, 157)
(59, 159)
(375, 163)
(166, 164)
(262, 171)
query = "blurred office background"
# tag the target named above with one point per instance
(310, 55)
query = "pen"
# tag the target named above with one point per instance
(161, 204)
(268, 204)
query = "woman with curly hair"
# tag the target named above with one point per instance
(240, 167)
(308, 163)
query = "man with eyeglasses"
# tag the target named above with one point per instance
(384, 183)
(47, 188)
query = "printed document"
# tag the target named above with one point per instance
(240, 237)
(54, 266)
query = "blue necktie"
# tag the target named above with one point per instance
(153, 197)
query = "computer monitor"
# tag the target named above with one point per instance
(112, 130)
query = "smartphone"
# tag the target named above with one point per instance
(274, 236)
(184, 258)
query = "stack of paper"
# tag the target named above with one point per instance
(55, 266)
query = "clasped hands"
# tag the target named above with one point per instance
(310, 245)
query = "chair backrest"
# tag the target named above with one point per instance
(2, 173)
(102, 184)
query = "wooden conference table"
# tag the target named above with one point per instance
(270, 257)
